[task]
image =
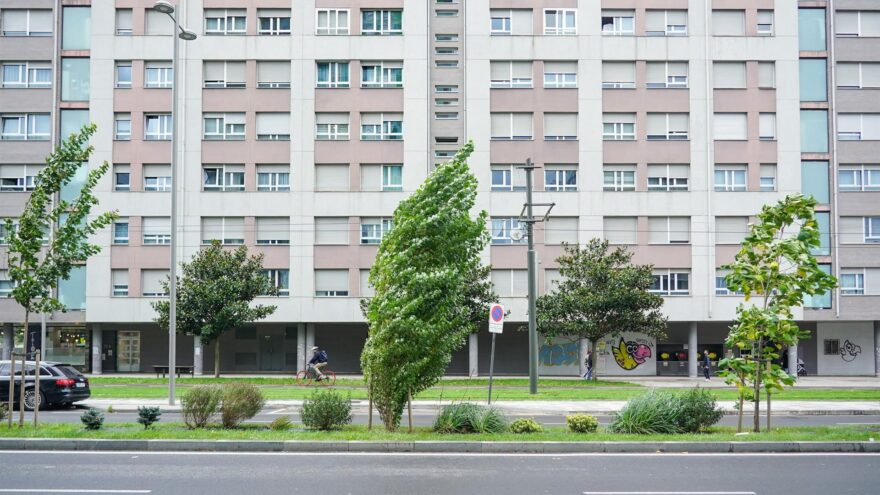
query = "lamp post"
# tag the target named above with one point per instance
(167, 8)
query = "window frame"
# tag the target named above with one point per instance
(381, 26)
(560, 27)
(858, 277)
(275, 23)
(729, 183)
(503, 226)
(371, 234)
(26, 72)
(666, 182)
(383, 73)
(223, 177)
(227, 19)
(560, 178)
(27, 125)
(330, 31)
(670, 282)
(333, 70)
(385, 129)
(165, 125)
(224, 132)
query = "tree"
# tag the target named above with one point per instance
(215, 292)
(601, 294)
(775, 265)
(50, 238)
(430, 286)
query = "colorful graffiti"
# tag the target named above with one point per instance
(849, 351)
(630, 354)
(560, 354)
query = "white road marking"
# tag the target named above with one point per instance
(670, 493)
(65, 490)
(459, 454)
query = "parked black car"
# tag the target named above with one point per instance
(60, 384)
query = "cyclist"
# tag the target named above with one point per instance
(318, 361)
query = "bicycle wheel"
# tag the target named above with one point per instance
(329, 379)
(303, 378)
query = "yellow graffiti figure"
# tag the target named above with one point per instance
(629, 355)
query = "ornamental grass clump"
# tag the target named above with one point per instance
(582, 423)
(526, 425)
(326, 410)
(470, 418)
(663, 412)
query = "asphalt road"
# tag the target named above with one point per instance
(439, 474)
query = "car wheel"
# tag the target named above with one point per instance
(30, 400)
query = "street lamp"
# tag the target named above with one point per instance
(165, 7)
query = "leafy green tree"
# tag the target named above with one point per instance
(601, 294)
(430, 286)
(775, 265)
(215, 292)
(50, 237)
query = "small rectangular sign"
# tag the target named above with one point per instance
(496, 318)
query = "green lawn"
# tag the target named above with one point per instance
(360, 432)
(352, 382)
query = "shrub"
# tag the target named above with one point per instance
(470, 418)
(110, 410)
(281, 423)
(526, 425)
(147, 415)
(582, 423)
(697, 410)
(92, 419)
(241, 401)
(652, 413)
(326, 410)
(3, 412)
(199, 405)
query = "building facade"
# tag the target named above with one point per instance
(661, 126)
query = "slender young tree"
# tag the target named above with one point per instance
(50, 237)
(430, 284)
(601, 294)
(215, 292)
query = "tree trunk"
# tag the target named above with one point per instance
(768, 411)
(593, 359)
(217, 358)
(27, 315)
(370, 417)
(756, 426)
(739, 419)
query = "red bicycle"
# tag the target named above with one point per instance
(308, 377)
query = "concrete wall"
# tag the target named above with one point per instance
(855, 358)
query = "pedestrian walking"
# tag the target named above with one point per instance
(588, 364)
(706, 363)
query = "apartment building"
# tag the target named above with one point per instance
(660, 126)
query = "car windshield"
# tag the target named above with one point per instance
(69, 371)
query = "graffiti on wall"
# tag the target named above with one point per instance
(849, 351)
(629, 354)
(559, 354)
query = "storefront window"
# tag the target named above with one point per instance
(68, 345)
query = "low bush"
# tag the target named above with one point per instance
(281, 423)
(697, 410)
(199, 405)
(470, 418)
(660, 412)
(526, 425)
(92, 419)
(582, 423)
(147, 415)
(3, 412)
(326, 410)
(240, 402)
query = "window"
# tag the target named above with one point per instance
(856, 23)
(511, 126)
(24, 22)
(331, 283)
(272, 74)
(670, 283)
(858, 75)
(119, 280)
(331, 127)
(765, 23)
(618, 126)
(331, 230)
(768, 177)
(123, 74)
(823, 221)
(224, 126)
(666, 23)
(381, 126)
(506, 177)
(122, 126)
(18, 178)
(223, 22)
(224, 74)
(26, 75)
(560, 126)
(618, 22)
(560, 22)
(381, 177)
(75, 79)
(859, 177)
(4, 234)
(814, 131)
(510, 283)
(123, 22)
(156, 231)
(667, 126)
(332, 74)
(6, 284)
(815, 180)
(373, 229)
(446, 37)
(872, 229)
(76, 28)
(618, 75)
(667, 75)
(729, 75)
(381, 22)
(157, 127)
(381, 74)
(152, 283)
(619, 177)
(280, 279)
(157, 177)
(811, 30)
(560, 74)
(446, 50)
(730, 127)
(227, 230)
(273, 126)
(121, 177)
(858, 126)
(502, 229)
(273, 230)
(731, 230)
(728, 23)
(504, 74)
(120, 231)
(500, 21)
(332, 22)
(831, 347)
(273, 22)
(721, 284)
(852, 230)
(620, 230)
(669, 230)
(25, 127)
(510, 22)
(223, 177)
(446, 115)
(446, 102)
(273, 177)
(560, 178)
(332, 177)
(158, 75)
(446, 64)
(668, 177)
(446, 12)
(766, 75)
(852, 282)
(767, 126)
(157, 23)
(367, 290)
(730, 178)
(813, 79)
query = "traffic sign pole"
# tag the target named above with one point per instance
(496, 326)
(491, 366)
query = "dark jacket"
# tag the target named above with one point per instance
(706, 361)
(319, 357)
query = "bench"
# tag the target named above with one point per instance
(163, 370)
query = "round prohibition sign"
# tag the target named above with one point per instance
(497, 313)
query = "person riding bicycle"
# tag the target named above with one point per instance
(318, 361)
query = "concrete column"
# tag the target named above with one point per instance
(310, 341)
(8, 341)
(583, 347)
(693, 352)
(792, 360)
(97, 348)
(473, 356)
(300, 347)
(877, 348)
(198, 356)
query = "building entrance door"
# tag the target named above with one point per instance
(129, 351)
(272, 350)
(108, 351)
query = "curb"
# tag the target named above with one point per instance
(256, 446)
